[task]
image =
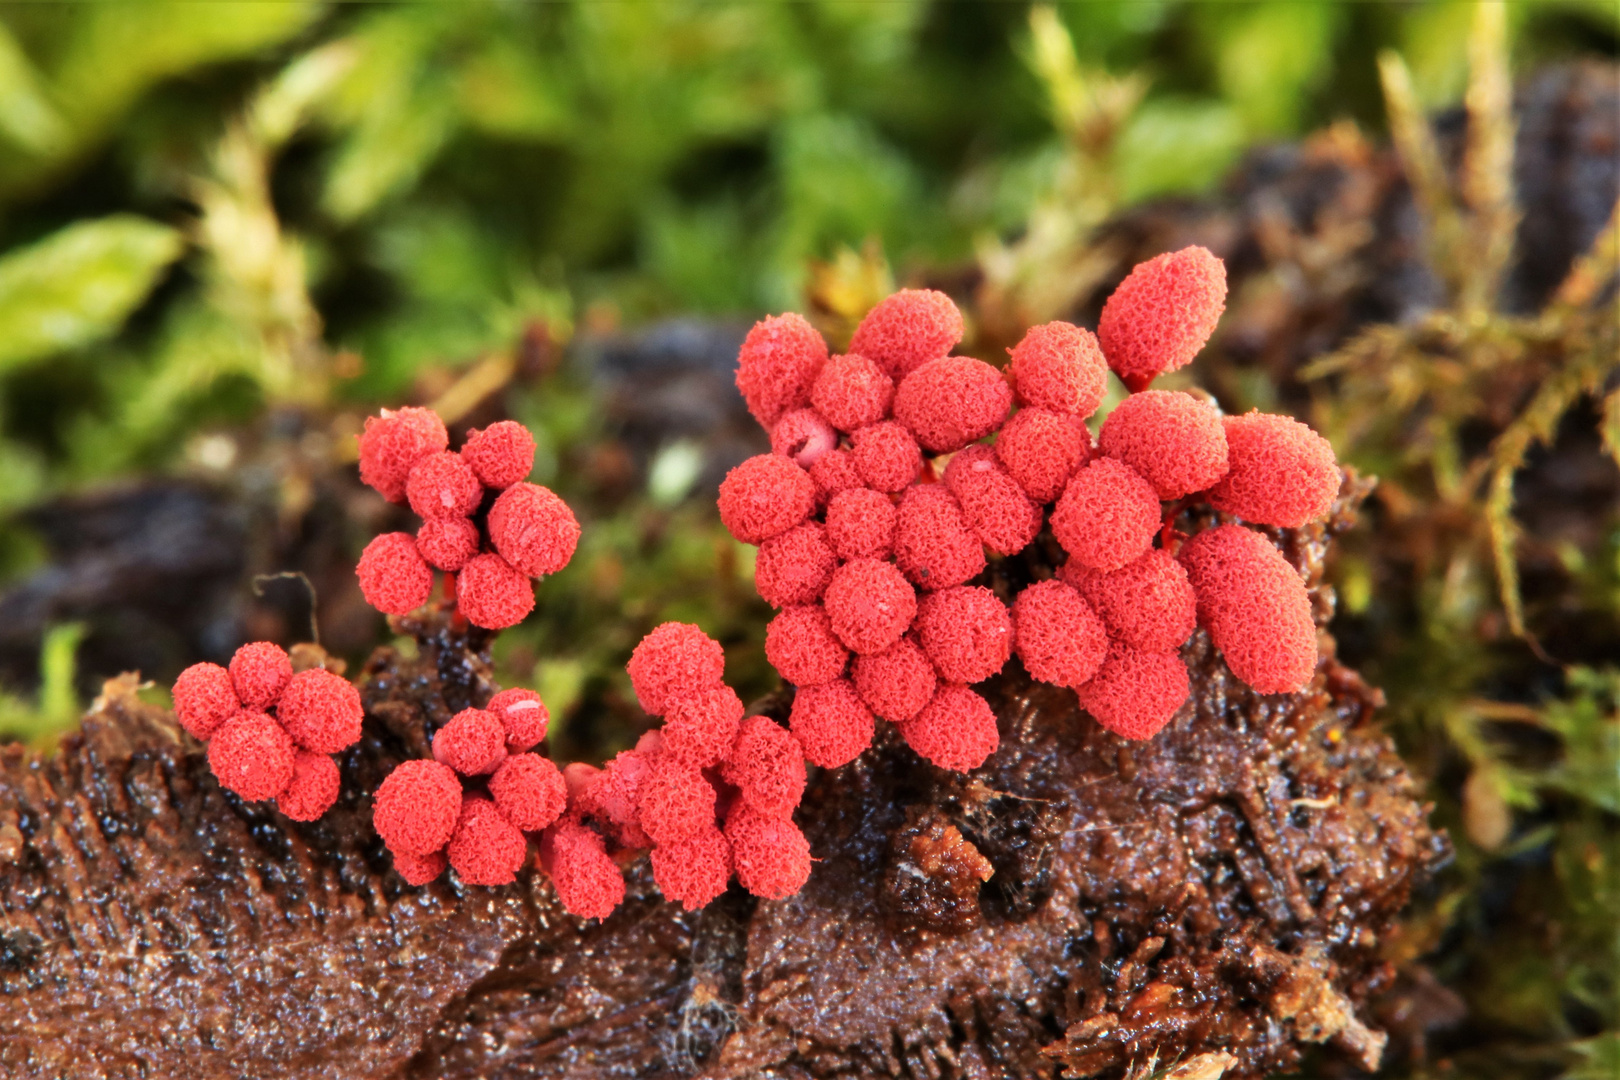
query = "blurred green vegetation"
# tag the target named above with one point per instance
(213, 218)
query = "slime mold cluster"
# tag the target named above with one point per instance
(898, 470)
(271, 733)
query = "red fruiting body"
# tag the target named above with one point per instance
(614, 796)
(885, 455)
(950, 402)
(1108, 515)
(831, 723)
(204, 699)
(533, 529)
(860, 524)
(833, 472)
(1148, 604)
(675, 660)
(441, 485)
(869, 605)
(896, 683)
(393, 575)
(699, 728)
(260, 670)
(965, 631)
(1135, 693)
(501, 454)
(771, 855)
(321, 711)
(767, 764)
(993, 505)
(956, 730)
(794, 567)
(523, 715)
(1255, 607)
(932, 542)
(1060, 638)
(313, 787)
(852, 392)
(447, 543)
(694, 871)
(588, 882)
(416, 807)
(801, 646)
(778, 364)
(1282, 473)
(803, 436)
(420, 869)
(907, 329)
(1059, 366)
(486, 849)
(529, 791)
(675, 802)
(764, 496)
(1161, 314)
(251, 755)
(1172, 439)
(1041, 450)
(395, 441)
(492, 594)
(472, 743)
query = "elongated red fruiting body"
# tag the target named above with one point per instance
(700, 727)
(778, 364)
(869, 605)
(794, 567)
(896, 683)
(674, 802)
(956, 730)
(1003, 518)
(965, 631)
(447, 543)
(767, 764)
(252, 756)
(803, 436)
(1108, 515)
(765, 496)
(1059, 366)
(1282, 472)
(416, 807)
(1060, 638)
(907, 329)
(529, 791)
(860, 524)
(321, 711)
(613, 797)
(852, 392)
(1255, 607)
(674, 660)
(473, 743)
(832, 723)
(1134, 694)
(313, 788)
(393, 442)
(393, 575)
(204, 699)
(442, 485)
(523, 715)
(1162, 314)
(694, 871)
(770, 854)
(260, 670)
(886, 456)
(801, 645)
(1175, 441)
(486, 849)
(500, 455)
(933, 545)
(533, 529)
(950, 402)
(492, 593)
(1041, 451)
(588, 882)
(1148, 604)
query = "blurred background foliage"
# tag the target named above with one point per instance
(228, 232)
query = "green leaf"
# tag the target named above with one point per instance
(27, 116)
(79, 284)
